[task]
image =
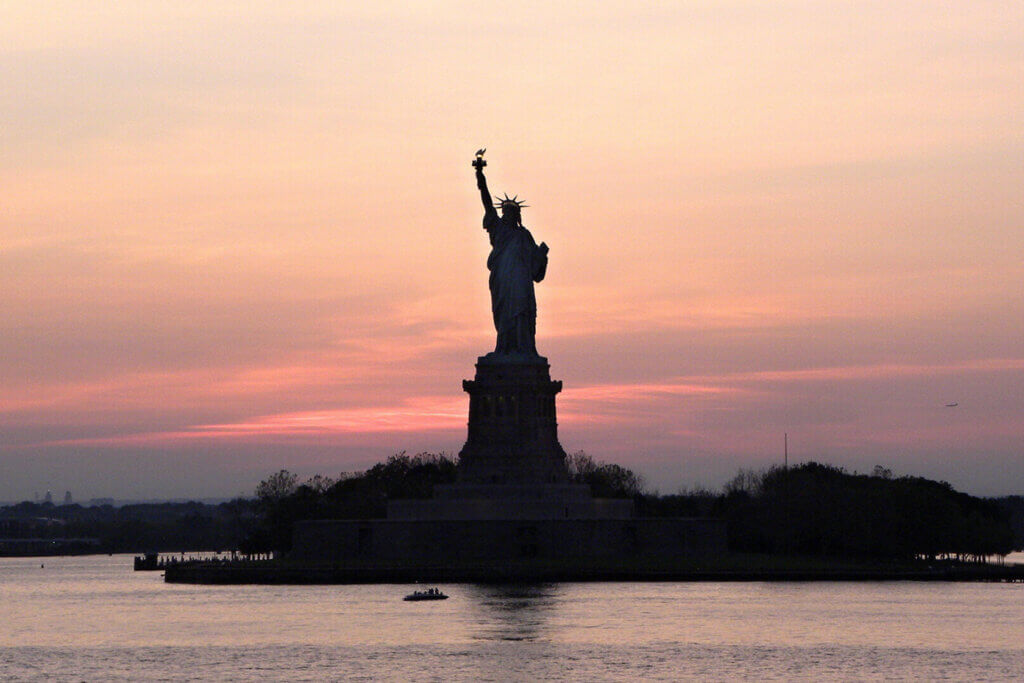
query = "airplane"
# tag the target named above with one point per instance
(952, 405)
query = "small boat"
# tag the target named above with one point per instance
(429, 594)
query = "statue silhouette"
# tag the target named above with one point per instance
(515, 262)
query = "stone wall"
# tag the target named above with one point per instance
(453, 541)
(476, 509)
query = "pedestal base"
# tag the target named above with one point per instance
(513, 431)
(492, 502)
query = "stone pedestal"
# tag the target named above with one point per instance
(513, 430)
(512, 466)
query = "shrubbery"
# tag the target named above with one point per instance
(816, 509)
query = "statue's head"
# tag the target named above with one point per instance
(511, 209)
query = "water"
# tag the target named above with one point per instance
(92, 618)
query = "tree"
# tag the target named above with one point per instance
(819, 509)
(363, 495)
(606, 480)
(277, 486)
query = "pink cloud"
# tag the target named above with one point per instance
(596, 405)
(417, 414)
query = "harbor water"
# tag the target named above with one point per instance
(93, 618)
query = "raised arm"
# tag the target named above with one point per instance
(485, 195)
(478, 163)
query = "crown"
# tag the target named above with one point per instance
(501, 203)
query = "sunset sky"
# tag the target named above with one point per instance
(240, 237)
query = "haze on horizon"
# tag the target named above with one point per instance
(247, 237)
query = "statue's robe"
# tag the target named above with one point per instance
(515, 262)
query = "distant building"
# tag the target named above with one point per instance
(48, 498)
(67, 498)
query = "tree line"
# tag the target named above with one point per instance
(822, 510)
(282, 500)
(810, 509)
(163, 527)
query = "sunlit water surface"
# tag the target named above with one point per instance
(93, 618)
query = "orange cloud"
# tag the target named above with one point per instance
(870, 371)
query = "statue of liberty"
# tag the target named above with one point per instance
(515, 262)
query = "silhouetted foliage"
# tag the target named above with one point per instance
(816, 509)
(364, 495)
(162, 527)
(1013, 506)
(360, 495)
(276, 487)
(606, 480)
(810, 509)
(698, 502)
